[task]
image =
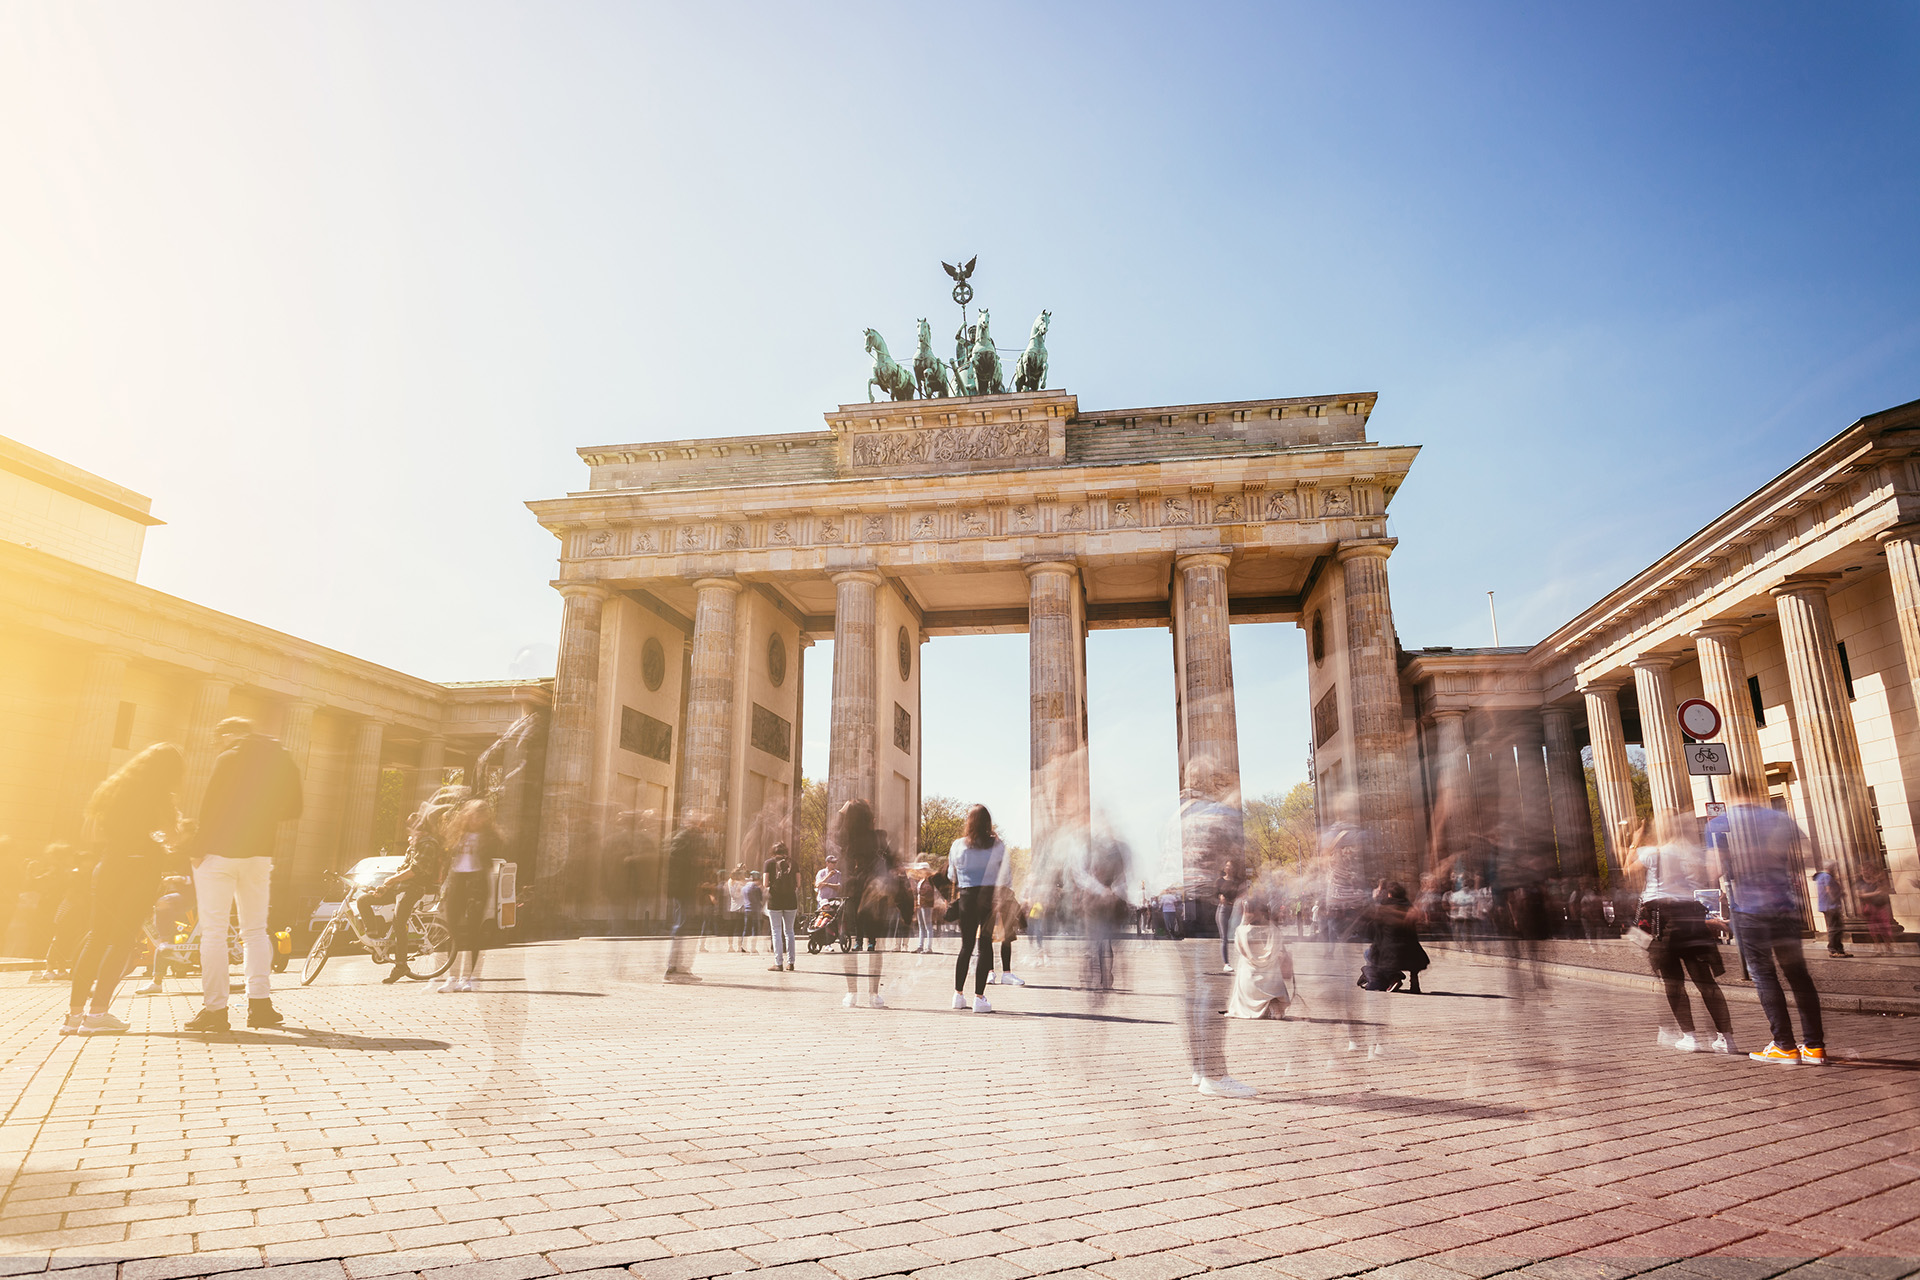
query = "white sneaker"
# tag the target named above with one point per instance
(876, 1002)
(442, 987)
(1226, 1087)
(151, 989)
(993, 978)
(1226, 968)
(1686, 1043)
(1013, 980)
(101, 1024)
(980, 1005)
(41, 977)
(466, 984)
(72, 1024)
(1723, 1044)
(959, 1001)
(848, 1001)
(1664, 1038)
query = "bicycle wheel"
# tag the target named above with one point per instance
(435, 945)
(317, 955)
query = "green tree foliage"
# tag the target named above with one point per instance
(1281, 831)
(941, 818)
(390, 812)
(810, 838)
(1642, 807)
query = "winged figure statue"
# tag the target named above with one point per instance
(960, 274)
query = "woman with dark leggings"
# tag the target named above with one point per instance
(1683, 943)
(978, 865)
(133, 817)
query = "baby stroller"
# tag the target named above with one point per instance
(824, 929)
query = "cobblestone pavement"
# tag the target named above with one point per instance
(578, 1115)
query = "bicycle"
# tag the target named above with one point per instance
(429, 956)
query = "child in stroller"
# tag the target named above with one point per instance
(824, 930)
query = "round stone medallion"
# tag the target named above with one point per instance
(776, 660)
(1319, 638)
(906, 654)
(653, 664)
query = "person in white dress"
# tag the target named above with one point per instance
(1262, 967)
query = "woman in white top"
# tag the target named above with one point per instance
(980, 870)
(1682, 942)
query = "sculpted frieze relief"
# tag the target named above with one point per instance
(1176, 511)
(1336, 502)
(1126, 513)
(951, 444)
(923, 525)
(1227, 510)
(1074, 516)
(1283, 506)
(875, 530)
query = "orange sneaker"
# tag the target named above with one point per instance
(1813, 1057)
(1774, 1053)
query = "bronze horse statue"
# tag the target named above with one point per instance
(1030, 370)
(888, 374)
(928, 372)
(988, 374)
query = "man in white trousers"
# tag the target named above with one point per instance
(254, 788)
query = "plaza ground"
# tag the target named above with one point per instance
(579, 1115)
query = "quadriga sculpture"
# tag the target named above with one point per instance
(988, 375)
(928, 371)
(888, 374)
(1030, 370)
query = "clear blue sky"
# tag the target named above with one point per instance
(341, 285)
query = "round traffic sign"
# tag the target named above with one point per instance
(1699, 719)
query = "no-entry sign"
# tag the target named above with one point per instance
(1699, 719)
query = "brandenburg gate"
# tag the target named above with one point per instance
(695, 572)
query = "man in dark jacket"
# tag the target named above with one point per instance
(254, 788)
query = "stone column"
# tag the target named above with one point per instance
(1373, 673)
(209, 709)
(363, 793)
(576, 696)
(1660, 736)
(90, 751)
(433, 766)
(1902, 544)
(296, 737)
(1723, 679)
(1831, 775)
(1536, 802)
(1212, 732)
(1612, 775)
(853, 745)
(1056, 778)
(709, 738)
(1567, 787)
(1452, 778)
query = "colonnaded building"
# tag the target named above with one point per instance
(695, 573)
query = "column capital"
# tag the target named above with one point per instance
(1652, 662)
(1602, 686)
(867, 576)
(1202, 560)
(1381, 547)
(1727, 630)
(582, 590)
(1563, 714)
(731, 584)
(1900, 532)
(1447, 713)
(1802, 584)
(1051, 566)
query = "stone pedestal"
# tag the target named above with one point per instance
(1612, 775)
(90, 750)
(363, 793)
(1723, 682)
(209, 709)
(1831, 776)
(1660, 737)
(576, 695)
(1567, 789)
(1373, 672)
(853, 748)
(1057, 756)
(709, 732)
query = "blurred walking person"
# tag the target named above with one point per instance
(254, 788)
(783, 902)
(1226, 893)
(1681, 942)
(926, 899)
(1766, 923)
(686, 869)
(473, 842)
(868, 908)
(1210, 833)
(133, 816)
(1826, 894)
(753, 901)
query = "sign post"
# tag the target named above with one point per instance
(1700, 720)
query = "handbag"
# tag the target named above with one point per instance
(1637, 936)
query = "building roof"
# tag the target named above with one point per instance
(72, 481)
